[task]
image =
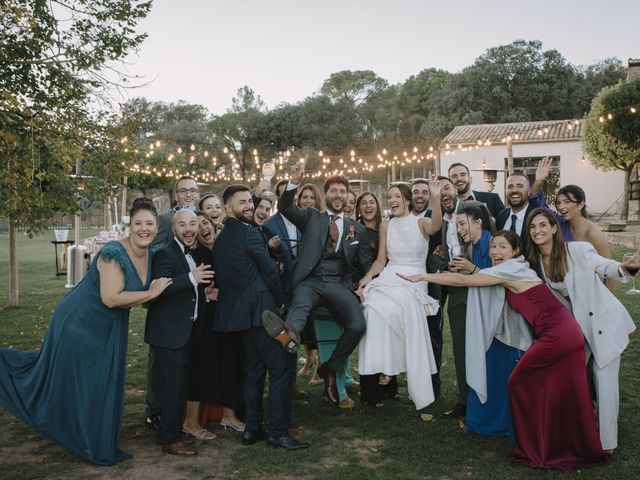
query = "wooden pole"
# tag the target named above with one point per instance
(14, 286)
(123, 207)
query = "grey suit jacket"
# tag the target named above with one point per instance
(165, 232)
(314, 226)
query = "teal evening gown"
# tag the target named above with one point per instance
(72, 391)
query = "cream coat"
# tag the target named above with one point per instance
(604, 320)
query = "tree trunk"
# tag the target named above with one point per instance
(13, 265)
(624, 214)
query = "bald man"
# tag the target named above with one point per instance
(168, 326)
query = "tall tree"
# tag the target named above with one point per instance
(238, 130)
(56, 56)
(612, 132)
(352, 86)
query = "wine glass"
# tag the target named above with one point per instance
(268, 170)
(632, 271)
(457, 251)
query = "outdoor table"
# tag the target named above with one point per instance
(60, 272)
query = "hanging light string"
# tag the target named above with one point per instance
(209, 163)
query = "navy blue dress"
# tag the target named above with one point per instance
(494, 416)
(72, 391)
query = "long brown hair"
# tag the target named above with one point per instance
(316, 193)
(378, 218)
(558, 264)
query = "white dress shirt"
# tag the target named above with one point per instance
(192, 266)
(519, 220)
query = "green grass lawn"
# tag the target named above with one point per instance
(384, 443)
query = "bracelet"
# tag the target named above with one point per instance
(475, 267)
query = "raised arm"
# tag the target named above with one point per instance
(430, 226)
(542, 173)
(296, 215)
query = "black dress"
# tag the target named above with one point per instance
(216, 363)
(371, 392)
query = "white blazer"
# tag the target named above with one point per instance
(604, 320)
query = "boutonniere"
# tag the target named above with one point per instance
(351, 232)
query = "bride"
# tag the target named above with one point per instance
(397, 338)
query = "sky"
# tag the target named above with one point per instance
(202, 51)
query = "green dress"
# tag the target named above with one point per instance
(72, 391)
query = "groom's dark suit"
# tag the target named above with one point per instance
(168, 331)
(325, 276)
(248, 283)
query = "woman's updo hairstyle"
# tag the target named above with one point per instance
(143, 203)
(576, 195)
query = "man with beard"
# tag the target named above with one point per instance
(248, 283)
(420, 200)
(169, 322)
(457, 296)
(515, 216)
(323, 275)
(459, 175)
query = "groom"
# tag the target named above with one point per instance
(324, 273)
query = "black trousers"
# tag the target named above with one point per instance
(435, 332)
(152, 394)
(264, 355)
(343, 304)
(172, 374)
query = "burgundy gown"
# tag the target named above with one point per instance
(553, 416)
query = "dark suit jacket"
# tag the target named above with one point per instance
(246, 276)
(491, 200)
(165, 231)
(277, 226)
(170, 316)
(314, 226)
(503, 220)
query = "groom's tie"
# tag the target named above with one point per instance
(334, 234)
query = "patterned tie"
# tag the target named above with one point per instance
(334, 233)
(514, 219)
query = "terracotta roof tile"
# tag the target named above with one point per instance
(526, 132)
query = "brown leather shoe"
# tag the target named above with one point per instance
(354, 387)
(179, 448)
(186, 439)
(346, 404)
(330, 387)
(297, 392)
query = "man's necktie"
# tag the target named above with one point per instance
(334, 233)
(514, 219)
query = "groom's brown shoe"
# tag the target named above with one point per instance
(330, 387)
(278, 330)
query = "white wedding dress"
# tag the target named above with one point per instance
(397, 338)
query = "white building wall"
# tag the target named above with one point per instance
(603, 189)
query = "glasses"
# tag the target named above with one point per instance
(190, 191)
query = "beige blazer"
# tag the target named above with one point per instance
(604, 320)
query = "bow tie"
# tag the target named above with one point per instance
(187, 250)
